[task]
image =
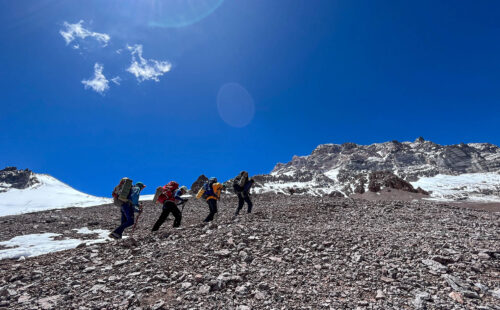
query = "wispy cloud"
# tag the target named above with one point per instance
(116, 80)
(146, 69)
(99, 83)
(74, 31)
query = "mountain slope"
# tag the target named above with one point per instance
(44, 193)
(290, 253)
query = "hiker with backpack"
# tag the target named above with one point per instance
(210, 191)
(241, 186)
(170, 195)
(129, 205)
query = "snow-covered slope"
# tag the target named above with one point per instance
(479, 187)
(48, 193)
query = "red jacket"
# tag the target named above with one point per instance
(168, 194)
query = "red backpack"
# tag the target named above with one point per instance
(168, 192)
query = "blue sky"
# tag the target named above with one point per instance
(225, 85)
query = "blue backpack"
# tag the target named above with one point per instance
(208, 188)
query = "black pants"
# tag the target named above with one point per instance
(169, 206)
(242, 198)
(212, 205)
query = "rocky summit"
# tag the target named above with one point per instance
(346, 168)
(293, 252)
(11, 177)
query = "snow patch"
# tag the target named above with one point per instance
(333, 173)
(103, 235)
(40, 244)
(35, 245)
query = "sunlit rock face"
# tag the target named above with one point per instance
(11, 177)
(347, 167)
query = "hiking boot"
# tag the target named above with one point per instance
(115, 236)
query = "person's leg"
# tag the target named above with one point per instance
(210, 215)
(177, 215)
(215, 206)
(160, 220)
(163, 216)
(213, 210)
(241, 201)
(128, 216)
(249, 202)
(124, 218)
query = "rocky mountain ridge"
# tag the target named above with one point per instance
(11, 177)
(346, 168)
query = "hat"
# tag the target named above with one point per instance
(140, 184)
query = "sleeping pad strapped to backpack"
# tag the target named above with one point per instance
(121, 191)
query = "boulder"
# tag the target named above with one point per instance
(195, 187)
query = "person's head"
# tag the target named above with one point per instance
(184, 189)
(212, 180)
(140, 185)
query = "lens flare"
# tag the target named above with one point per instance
(235, 105)
(165, 13)
(181, 13)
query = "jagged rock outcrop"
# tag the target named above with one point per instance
(387, 179)
(195, 187)
(11, 177)
(336, 194)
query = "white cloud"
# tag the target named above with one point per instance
(146, 69)
(99, 83)
(74, 31)
(116, 80)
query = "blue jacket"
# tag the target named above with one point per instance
(178, 198)
(135, 191)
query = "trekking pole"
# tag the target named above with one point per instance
(183, 204)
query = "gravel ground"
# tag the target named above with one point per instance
(291, 253)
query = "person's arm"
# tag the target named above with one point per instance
(178, 195)
(134, 198)
(248, 185)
